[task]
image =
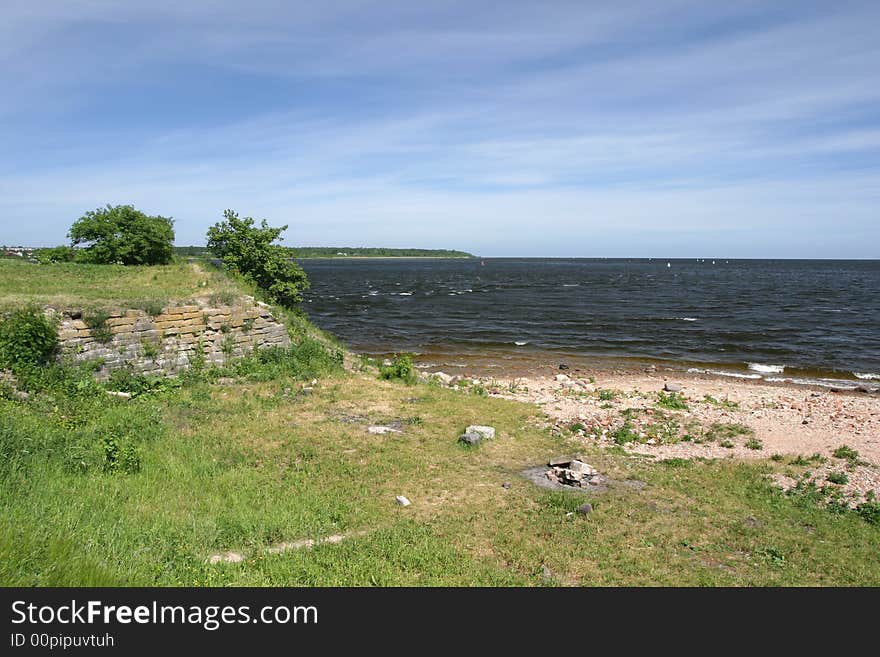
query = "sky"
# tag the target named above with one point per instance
(594, 129)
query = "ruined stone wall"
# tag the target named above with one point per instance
(172, 340)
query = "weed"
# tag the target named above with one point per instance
(870, 511)
(607, 395)
(815, 459)
(720, 431)
(227, 346)
(754, 443)
(96, 320)
(577, 426)
(401, 369)
(625, 434)
(723, 403)
(150, 349)
(845, 452)
(838, 477)
(674, 401)
(247, 325)
(729, 444)
(771, 555)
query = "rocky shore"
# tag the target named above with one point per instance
(820, 438)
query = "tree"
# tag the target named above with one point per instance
(250, 251)
(122, 234)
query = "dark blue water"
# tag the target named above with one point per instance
(817, 318)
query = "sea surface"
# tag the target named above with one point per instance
(806, 320)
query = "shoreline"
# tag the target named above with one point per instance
(666, 413)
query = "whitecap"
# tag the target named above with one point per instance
(571, 285)
(521, 344)
(405, 294)
(736, 375)
(867, 375)
(766, 369)
(688, 319)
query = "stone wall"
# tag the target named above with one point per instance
(170, 341)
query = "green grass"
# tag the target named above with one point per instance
(96, 490)
(72, 285)
(243, 467)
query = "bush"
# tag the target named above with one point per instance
(55, 254)
(27, 338)
(121, 234)
(251, 252)
(400, 368)
(673, 401)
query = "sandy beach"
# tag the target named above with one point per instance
(708, 417)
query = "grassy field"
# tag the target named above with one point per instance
(96, 490)
(72, 285)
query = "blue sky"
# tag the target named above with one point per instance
(624, 128)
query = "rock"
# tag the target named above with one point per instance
(485, 432)
(585, 508)
(379, 429)
(581, 468)
(402, 501)
(121, 395)
(21, 395)
(442, 377)
(650, 368)
(562, 377)
(506, 485)
(546, 573)
(672, 387)
(471, 439)
(563, 366)
(225, 557)
(559, 461)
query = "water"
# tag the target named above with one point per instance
(752, 318)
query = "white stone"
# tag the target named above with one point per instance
(486, 433)
(402, 501)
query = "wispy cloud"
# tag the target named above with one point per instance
(608, 128)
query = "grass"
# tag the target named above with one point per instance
(96, 490)
(73, 285)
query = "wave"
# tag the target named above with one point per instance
(404, 294)
(521, 344)
(825, 383)
(766, 369)
(868, 376)
(736, 375)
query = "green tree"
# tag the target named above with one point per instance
(122, 234)
(251, 252)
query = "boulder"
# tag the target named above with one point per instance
(672, 387)
(442, 377)
(471, 439)
(485, 432)
(563, 366)
(402, 501)
(561, 377)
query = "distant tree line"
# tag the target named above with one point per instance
(341, 252)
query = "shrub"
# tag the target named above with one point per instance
(27, 338)
(251, 252)
(400, 368)
(754, 443)
(121, 234)
(55, 254)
